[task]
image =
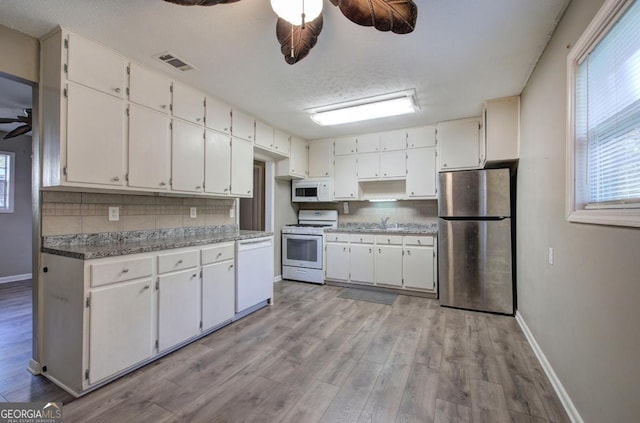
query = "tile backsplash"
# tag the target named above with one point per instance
(405, 211)
(65, 213)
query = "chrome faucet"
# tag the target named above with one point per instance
(383, 222)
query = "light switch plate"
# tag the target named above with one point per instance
(232, 213)
(193, 212)
(114, 214)
(551, 255)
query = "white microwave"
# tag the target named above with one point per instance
(311, 190)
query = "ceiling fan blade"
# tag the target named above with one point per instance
(398, 16)
(200, 2)
(17, 132)
(8, 120)
(295, 41)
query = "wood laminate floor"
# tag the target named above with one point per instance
(313, 357)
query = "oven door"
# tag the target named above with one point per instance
(302, 250)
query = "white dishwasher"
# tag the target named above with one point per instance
(254, 274)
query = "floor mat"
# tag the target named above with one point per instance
(367, 295)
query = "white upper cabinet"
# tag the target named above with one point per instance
(460, 144)
(149, 88)
(502, 129)
(393, 140)
(242, 125)
(368, 143)
(264, 135)
(422, 136)
(393, 164)
(218, 115)
(421, 173)
(281, 142)
(95, 66)
(187, 151)
(149, 149)
(345, 178)
(188, 103)
(217, 163)
(241, 168)
(95, 130)
(368, 166)
(320, 158)
(344, 146)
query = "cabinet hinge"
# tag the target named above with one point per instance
(127, 90)
(128, 73)
(127, 110)
(126, 177)
(171, 107)
(87, 302)
(200, 278)
(204, 102)
(64, 92)
(403, 252)
(86, 374)
(479, 126)
(171, 182)
(171, 88)
(157, 345)
(203, 188)
(171, 125)
(66, 68)
(434, 254)
(64, 171)
(66, 43)
(157, 284)
(200, 324)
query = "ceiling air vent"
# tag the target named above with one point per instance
(173, 61)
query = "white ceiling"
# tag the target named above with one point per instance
(462, 53)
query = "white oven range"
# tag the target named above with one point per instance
(302, 245)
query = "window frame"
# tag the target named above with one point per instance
(577, 210)
(11, 183)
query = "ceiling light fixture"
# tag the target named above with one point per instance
(297, 12)
(385, 105)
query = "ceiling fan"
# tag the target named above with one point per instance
(297, 37)
(20, 130)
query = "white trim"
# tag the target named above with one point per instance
(269, 196)
(565, 399)
(277, 279)
(15, 278)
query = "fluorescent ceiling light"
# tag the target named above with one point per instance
(392, 104)
(380, 200)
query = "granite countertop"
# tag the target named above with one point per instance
(373, 228)
(111, 244)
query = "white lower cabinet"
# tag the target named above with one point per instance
(337, 259)
(361, 261)
(418, 268)
(218, 285)
(178, 307)
(389, 265)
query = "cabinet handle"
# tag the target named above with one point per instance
(194, 275)
(198, 119)
(226, 189)
(198, 187)
(344, 249)
(249, 192)
(116, 179)
(226, 129)
(125, 270)
(230, 266)
(219, 254)
(369, 249)
(146, 287)
(326, 173)
(163, 184)
(408, 252)
(419, 242)
(388, 241)
(117, 90)
(445, 165)
(179, 262)
(352, 195)
(412, 192)
(379, 251)
(163, 106)
(360, 239)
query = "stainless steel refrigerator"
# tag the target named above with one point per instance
(475, 268)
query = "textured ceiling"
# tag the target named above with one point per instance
(462, 53)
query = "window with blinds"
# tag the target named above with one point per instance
(607, 114)
(6, 182)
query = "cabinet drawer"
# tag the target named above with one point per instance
(177, 261)
(118, 271)
(418, 240)
(362, 239)
(218, 253)
(333, 237)
(389, 239)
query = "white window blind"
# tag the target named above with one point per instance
(607, 114)
(6, 182)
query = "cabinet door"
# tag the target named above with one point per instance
(345, 173)
(502, 128)
(217, 163)
(187, 152)
(242, 125)
(218, 115)
(149, 88)
(188, 103)
(149, 149)
(418, 268)
(393, 140)
(95, 66)
(422, 136)
(459, 144)
(320, 158)
(298, 157)
(337, 261)
(393, 164)
(389, 265)
(368, 143)
(264, 136)
(120, 327)
(95, 137)
(362, 266)
(241, 168)
(178, 307)
(281, 142)
(421, 172)
(368, 166)
(345, 146)
(218, 294)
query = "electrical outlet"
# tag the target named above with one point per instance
(193, 212)
(551, 255)
(345, 207)
(114, 214)
(232, 213)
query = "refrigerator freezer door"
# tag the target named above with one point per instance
(474, 264)
(475, 193)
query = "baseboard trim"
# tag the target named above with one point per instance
(277, 279)
(565, 399)
(34, 367)
(15, 278)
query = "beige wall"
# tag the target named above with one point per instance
(584, 309)
(20, 54)
(285, 213)
(76, 213)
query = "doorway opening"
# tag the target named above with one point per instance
(253, 210)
